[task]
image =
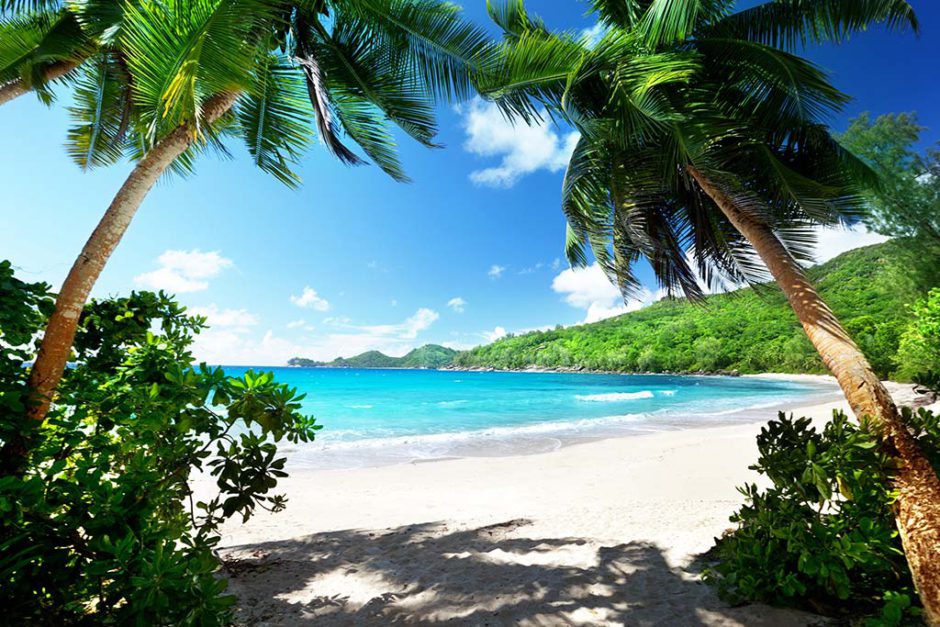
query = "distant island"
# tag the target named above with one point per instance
(746, 331)
(427, 356)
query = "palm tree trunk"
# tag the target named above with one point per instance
(918, 506)
(16, 88)
(60, 330)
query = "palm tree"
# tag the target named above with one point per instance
(43, 41)
(185, 75)
(703, 149)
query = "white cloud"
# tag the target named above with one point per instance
(496, 271)
(183, 271)
(590, 289)
(311, 300)
(457, 304)
(301, 324)
(407, 330)
(230, 346)
(523, 149)
(831, 242)
(531, 269)
(495, 334)
(227, 318)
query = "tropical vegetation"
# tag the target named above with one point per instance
(821, 534)
(747, 330)
(907, 201)
(100, 524)
(703, 149)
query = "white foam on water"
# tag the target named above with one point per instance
(612, 397)
(493, 433)
(360, 407)
(455, 403)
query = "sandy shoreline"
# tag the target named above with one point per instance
(604, 532)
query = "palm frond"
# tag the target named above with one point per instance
(354, 65)
(513, 18)
(273, 118)
(443, 49)
(792, 24)
(366, 125)
(319, 95)
(668, 21)
(101, 20)
(770, 87)
(99, 113)
(31, 43)
(183, 52)
(532, 71)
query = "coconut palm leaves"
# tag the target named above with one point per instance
(674, 84)
(343, 70)
(35, 41)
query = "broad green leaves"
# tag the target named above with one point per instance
(101, 526)
(822, 532)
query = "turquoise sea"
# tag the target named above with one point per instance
(376, 417)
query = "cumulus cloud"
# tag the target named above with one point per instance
(457, 304)
(521, 148)
(495, 334)
(228, 346)
(590, 289)
(831, 242)
(182, 271)
(228, 318)
(309, 299)
(496, 271)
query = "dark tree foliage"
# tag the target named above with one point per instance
(100, 525)
(908, 201)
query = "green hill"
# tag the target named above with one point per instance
(427, 356)
(748, 330)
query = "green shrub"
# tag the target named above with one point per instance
(98, 525)
(822, 535)
(919, 351)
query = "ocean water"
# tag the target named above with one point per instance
(377, 417)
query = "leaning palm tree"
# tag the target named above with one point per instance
(188, 74)
(703, 150)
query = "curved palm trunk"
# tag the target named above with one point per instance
(918, 506)
(60, 330)
(15, 89)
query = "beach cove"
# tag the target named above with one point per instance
(607, 531)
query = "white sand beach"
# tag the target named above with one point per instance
(605, 532)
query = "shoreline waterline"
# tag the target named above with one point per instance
(380, 417)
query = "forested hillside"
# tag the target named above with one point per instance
(427, 356)
(748, 330)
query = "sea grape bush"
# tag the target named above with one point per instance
(822, 535)
(98, 523)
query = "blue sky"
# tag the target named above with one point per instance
(352, 260)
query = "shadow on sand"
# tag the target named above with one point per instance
(492, 575)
